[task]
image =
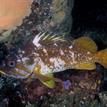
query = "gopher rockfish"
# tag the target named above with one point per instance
(53, 54)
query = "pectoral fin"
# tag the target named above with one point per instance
(47, 80)
(87, 66)
(50, 82)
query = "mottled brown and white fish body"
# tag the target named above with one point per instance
(53, 54)
(56, 56)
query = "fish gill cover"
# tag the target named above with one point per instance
(41, 31)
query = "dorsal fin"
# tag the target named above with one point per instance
(50, 37)
(43, 38)
(53, 38)
(86, 43)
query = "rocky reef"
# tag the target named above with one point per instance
(53, 16)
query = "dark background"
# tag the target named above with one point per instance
(89, 14)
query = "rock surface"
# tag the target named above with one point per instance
(50, 15)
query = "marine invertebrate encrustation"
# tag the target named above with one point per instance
(12, 12)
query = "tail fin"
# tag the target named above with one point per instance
(101, 57)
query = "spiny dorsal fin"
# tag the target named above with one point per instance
(51, 37)
(44, 38)
(86, 43)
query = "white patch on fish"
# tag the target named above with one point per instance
(24, 59)
(36, 54)
(44, 68)
(55, 44)
(88, 53)
(58, 64)
(61, 52)
(73, 57)
(70, 47)
(45, 51)
(36, 40)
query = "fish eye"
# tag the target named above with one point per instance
(11, 63)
